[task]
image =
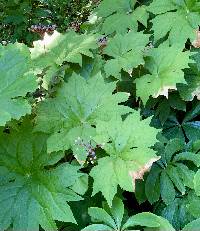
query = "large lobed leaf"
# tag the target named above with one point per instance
(51, 52)
(178, 18)
(32, 194)
(126, 52)
(75, 110)
(121, 16)
(165, 64)
(16, 81)
(129, 156)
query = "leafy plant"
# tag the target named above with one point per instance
(130, 154)
(184, 13)
(33, 191)
(17, 79)
(171, 173)
(114, 219)
(99, 125)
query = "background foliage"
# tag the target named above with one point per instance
(17, 16)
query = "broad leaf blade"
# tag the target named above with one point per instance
(16, 81)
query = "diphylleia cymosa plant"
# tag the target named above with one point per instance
(100, 128)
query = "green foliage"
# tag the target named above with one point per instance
(30, 192)
(99, 129)
(114, 219)
(75, 110)
(163, 75)
(17, 79)
(129, 152)
(127, 53)
(173, 172)
(16, 17)
(182, 19)
(121, 16)
(50, 53)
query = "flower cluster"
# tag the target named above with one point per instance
(90, 148)
(41, 29)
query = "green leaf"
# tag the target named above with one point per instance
(33, 194)
(130, 152)
(140, 191)
(195, 158)
(176, 179)
(195, 146)
(192, 226)
(81, 185)
(51, 52)
(106, 170)
(189, 127)
(117, 211)
(192, 89)
(173, 146)
(100, 214)
(177, 213)
(127, 53)
(75, 110)
(152, 184)
(150, 220)
(197, 183)
(121, 16)
(163, 110)
(186, 174)
(194, 204)
(96, 227)
(180, 20)
(16, 81)
(166, 188)
(165, 64)
(173, 128)
(168, 172)
(176, 102)
(107, 7)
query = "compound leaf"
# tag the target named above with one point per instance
(148, 220)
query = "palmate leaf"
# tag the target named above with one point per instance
(163, 107)
(192, 76)
(189, 126)
(177, 212)
(16, 81)
(32, 194)
(179, 18)
(127, 53)
(75, 110)
(165, 64)
(110, 220)
(129, 157)
(172, 172)
(51, 52)
(121, 16)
